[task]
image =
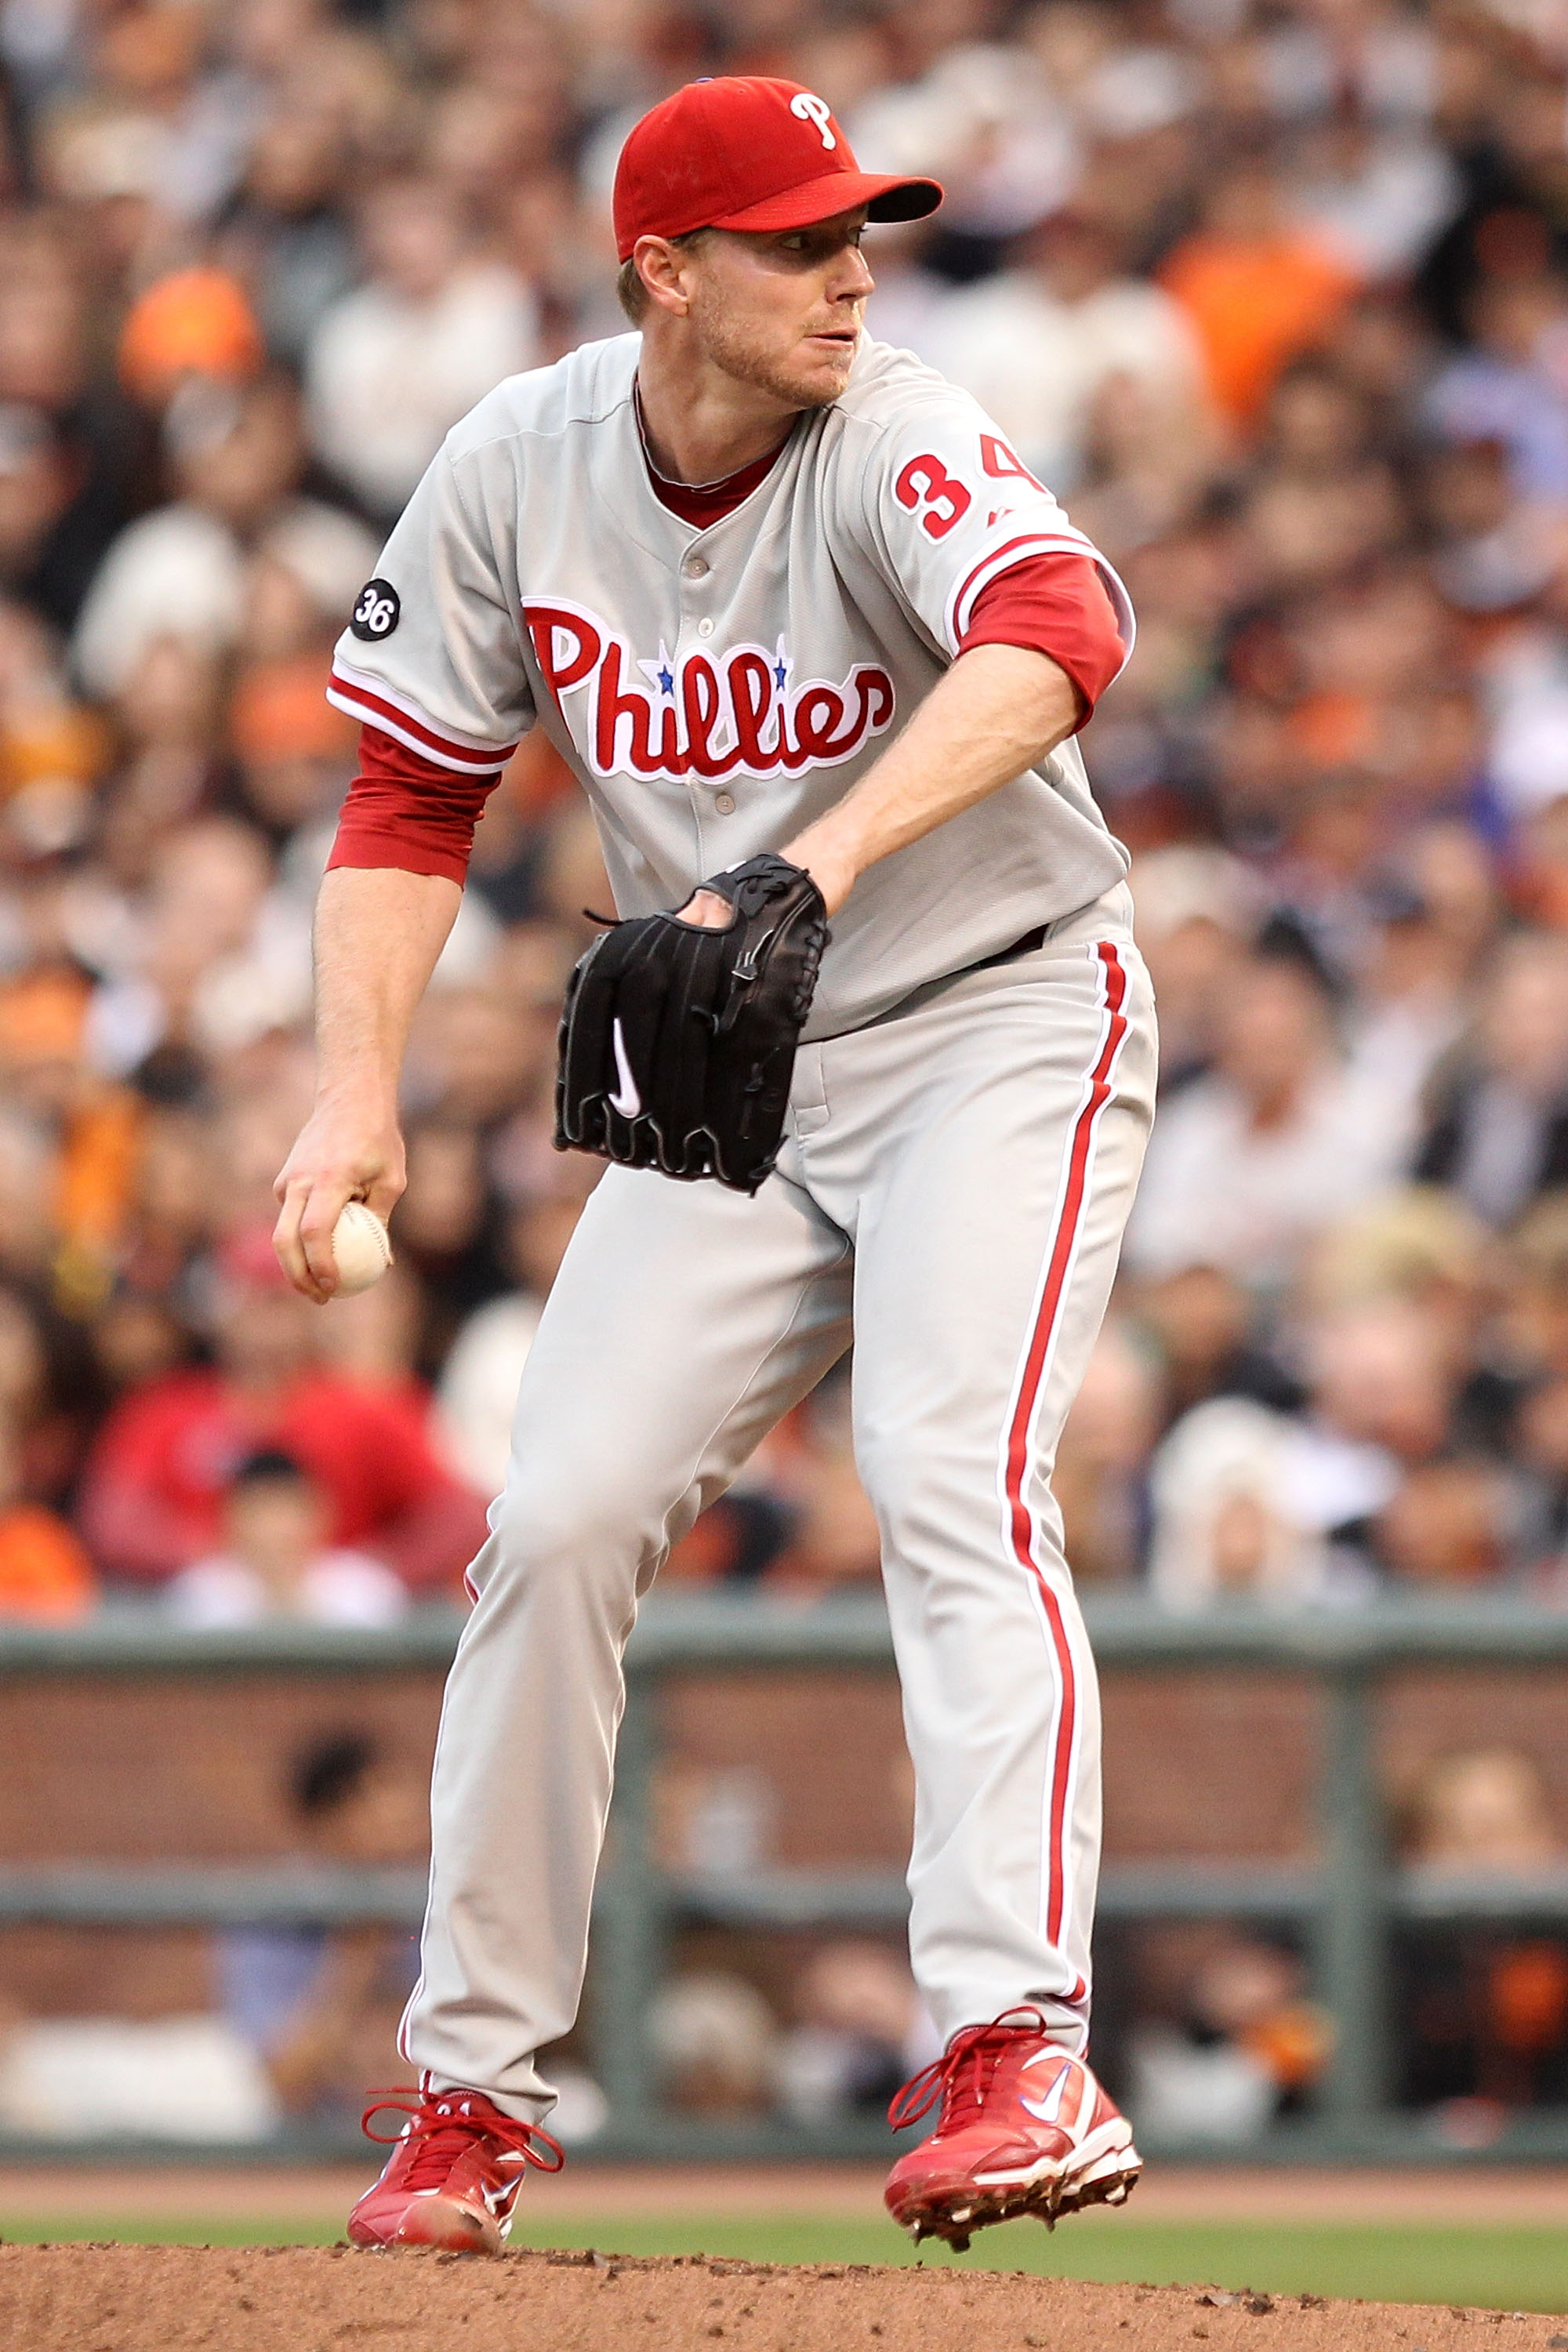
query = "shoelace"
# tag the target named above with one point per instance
(963, 2073)
(438, 2131)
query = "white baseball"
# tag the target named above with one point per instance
(361, 1250)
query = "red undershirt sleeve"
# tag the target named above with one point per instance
(407, 812)
(1056, 604)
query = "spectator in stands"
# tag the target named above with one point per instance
(154, 1492)
(1484, 2013)
(216, 958)
(395, 364)
(30, 1409)
(294, 752)
(1037, 343)
(287, 234)
(53, 753)
(862, 2032)
(276, 1561)
(1197, 911)
(1210, 1340)
(1380, 1414)
(192, 326)
(38, 564)
(1508, 389)
(477, 1393)
(1533, 1268)
(1232, 1517)
(1420, 1244)
(1449, 1524)
(1375, 195)
(1526, 1387)
(45, 1574)
(319, 2006)
(717, 2041)
(378, 1338)
(1255, 1158)
(1481, 1810)
(1239, 2043)
(1102, 1455)
(1499, 1126)
(448, 1223)
(1321, 498)
(1258, 289)
(235, 457)
(79, 1126)
(1374, 1473)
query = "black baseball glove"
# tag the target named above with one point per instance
(676, 1043)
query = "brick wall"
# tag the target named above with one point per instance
(116, 1769)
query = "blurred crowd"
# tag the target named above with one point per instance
(1274, 292)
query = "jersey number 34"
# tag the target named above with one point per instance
(925, 482)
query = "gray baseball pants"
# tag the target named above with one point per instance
(953, 1192)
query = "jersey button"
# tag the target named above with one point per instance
(705, 626)
(725, 804)
(696, 567)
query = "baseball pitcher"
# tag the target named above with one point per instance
(870, 1050)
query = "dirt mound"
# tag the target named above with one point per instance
(296, 2299)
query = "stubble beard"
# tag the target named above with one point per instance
(740, 354)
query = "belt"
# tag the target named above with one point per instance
(1025, 946)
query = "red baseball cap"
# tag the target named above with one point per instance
(748, 152)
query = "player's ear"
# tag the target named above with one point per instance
(664, 268)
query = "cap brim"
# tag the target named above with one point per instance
(885, 197)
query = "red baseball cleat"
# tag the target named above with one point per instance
(454, 2173)
(1023, 2128)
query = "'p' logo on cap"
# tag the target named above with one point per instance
(809, 107)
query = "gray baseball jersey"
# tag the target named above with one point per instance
(717, 689)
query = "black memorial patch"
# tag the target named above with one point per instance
(377, 611)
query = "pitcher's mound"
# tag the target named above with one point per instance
(302, 2299)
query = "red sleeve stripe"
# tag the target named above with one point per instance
(374, 707)
(961, 607)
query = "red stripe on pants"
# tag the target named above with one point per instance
(1098, 1094)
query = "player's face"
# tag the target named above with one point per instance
(784, 312)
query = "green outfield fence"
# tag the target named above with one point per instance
(1344, 1905)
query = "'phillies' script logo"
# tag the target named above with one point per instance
(701, 716)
